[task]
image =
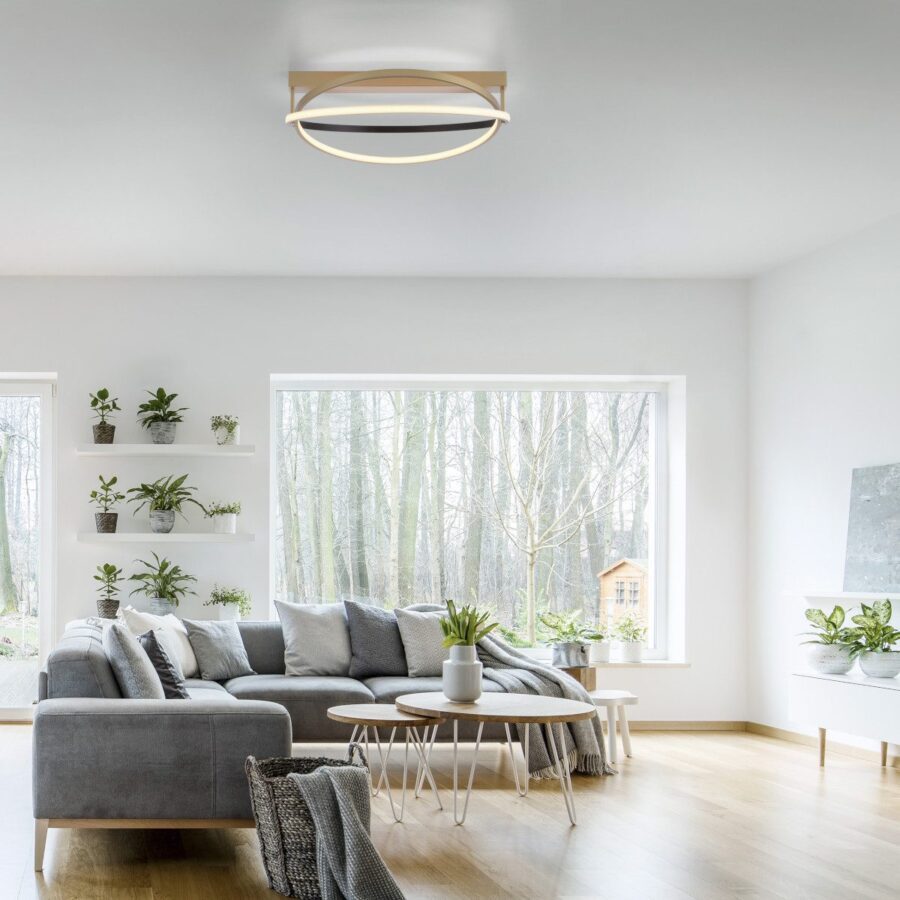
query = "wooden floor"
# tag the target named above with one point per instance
(704, 815)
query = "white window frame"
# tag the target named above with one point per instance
(658, 574)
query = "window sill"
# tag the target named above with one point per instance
(643, 664)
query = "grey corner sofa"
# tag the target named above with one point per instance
(100, 761)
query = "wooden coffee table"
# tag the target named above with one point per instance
(510, 709)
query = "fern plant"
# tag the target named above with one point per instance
(466, 626)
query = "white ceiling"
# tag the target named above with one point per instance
(656, 138)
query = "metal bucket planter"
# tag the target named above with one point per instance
(106, 522)
(570, 655)
(162, 432)
(162, 521)
(104, 433)
(159, 606)
(107, 609)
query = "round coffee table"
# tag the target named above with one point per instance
(363, 716)
(510, 709)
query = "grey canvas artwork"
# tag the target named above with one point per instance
(873, 532)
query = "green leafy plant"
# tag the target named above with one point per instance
(159, 409)
(229, 423)
(630, 629)
(162, 579)
(223, 509)
(873, 632)
(109, 577)
(107, 497)
(168, 493)
(465, 625)
(565, 628)
(230, 597)
(103, 405)
(828, 629)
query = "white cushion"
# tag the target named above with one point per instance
(175, 636)
(423, 642)
(316, 638)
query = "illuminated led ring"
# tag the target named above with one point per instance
(306, 120)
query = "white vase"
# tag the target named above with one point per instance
(230, 612)
(599, 653)
(226, 438)
(462, 674)
(225, 523)
(880, 665)
(631, 651)
(829, 659)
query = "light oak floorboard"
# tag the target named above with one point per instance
(691, 815)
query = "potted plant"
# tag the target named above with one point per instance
(109, 577)
(104, 406)
(235, 603)
(463, 629)
(105, 499)
(569, 638)
(224, 516)
(226, 429)
(165, 497)
(600, 646)
(630, 632)
(829, 651)
(872, 639)
(163, 583)
(158, 416)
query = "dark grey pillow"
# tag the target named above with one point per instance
(375, 643)
(219, 649)
(169, 673)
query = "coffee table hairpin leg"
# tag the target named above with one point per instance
(512, 759)
(456, 818)
(562, 768)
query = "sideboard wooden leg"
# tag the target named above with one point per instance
(821, 746)
(884, 745)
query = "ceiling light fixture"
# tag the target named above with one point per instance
(483, 85)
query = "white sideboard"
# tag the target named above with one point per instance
(853, 704)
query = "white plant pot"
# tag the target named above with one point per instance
(880, 665)
(631, 651)
(570, 655)
(230, 612)
(225, 524)
(462, 675)
(829, 659)
(160, 607)
(599, 652)
(226, 438)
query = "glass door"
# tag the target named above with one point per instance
(25, 417)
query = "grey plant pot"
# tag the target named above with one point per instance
(106, 522)
(104, 433)
(461, 682)
(107, 609)
(880, 665)
(162, 432)
(570, 655)
(162, 521)
(161, 607)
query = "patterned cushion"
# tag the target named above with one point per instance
(423, 642)
(375, 642)
(132, 667)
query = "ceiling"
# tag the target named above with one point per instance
(648, 138)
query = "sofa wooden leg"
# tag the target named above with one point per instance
(40, 842)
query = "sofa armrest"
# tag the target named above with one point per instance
(150, 759)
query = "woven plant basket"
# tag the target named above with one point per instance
(287, 835)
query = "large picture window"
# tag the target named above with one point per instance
(525, 501)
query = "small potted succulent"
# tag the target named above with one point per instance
(163, 583)
(569, 638)
(159, 417)
(105, 499)
(104, 406)
(463, 629)
(873, 639)
(109, 577)
(165, 497)
(829, 650)
(630, 632)
(226, 429)
(234, 603)
(224, 516)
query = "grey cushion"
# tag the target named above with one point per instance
(264, 643)
(316, 638)
(307, 699)
(423, 642)
(78, 667)
(375, 644)
(169, 672)
(134, 672)
(219, 649)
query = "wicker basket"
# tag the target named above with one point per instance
(287, 835)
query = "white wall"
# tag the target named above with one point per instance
(217, 341)
(825, 398)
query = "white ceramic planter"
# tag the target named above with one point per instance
(631, 651)
(162, 521)
(461, 682)
(829, 659)
(880, 665)
(225, 524)
(230, 612)
(570, 655)
(599, 652)
(225, 438)
(163, 432)
(160, 607)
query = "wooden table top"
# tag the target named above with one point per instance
(520, 709)
(379, 715)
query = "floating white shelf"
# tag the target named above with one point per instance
(165, 450)
(173, 537)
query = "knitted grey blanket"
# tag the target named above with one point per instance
(517, 673)
(349, 866)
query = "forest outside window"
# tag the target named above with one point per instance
(523, 501)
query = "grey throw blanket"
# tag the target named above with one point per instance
(517, 673)
(349, 866)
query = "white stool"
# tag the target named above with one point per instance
(614, 700)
